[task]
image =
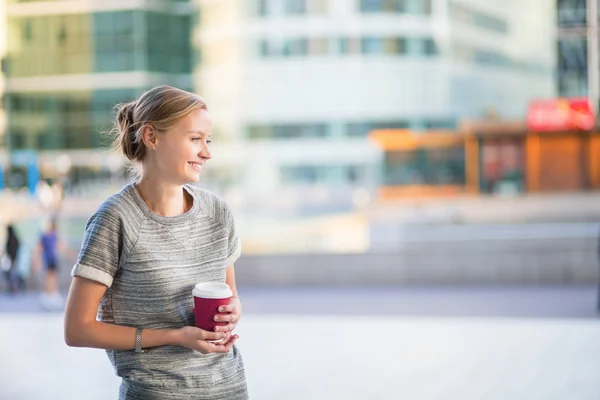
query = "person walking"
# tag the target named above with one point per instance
(48, 249)
(598, 295)
(9, 260)
(143, 251)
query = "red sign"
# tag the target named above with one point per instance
(560, 115)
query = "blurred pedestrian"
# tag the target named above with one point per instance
(598, 299)
(48, 250)
(144, 250)
(9, 260)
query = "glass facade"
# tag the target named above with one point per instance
(571, 13)
(368, 45)
(354, 129)
(63, 120)
(330, 174)
(168, 43)
(47, 46)
(288, 131)
(502, 165)
(442, 166)
(266, 8)
(422, 7)
(572, 47)
(466, 15)
(572, 66)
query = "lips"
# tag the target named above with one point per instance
(196, 165)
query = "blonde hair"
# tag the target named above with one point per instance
(162, 107)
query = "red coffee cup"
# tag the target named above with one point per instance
(208, 297)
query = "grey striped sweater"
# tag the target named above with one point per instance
(150, 264)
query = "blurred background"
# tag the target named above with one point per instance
(421, 172)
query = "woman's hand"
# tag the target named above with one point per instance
(198, 339)
(231, 314)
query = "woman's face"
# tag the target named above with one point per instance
(181, 151)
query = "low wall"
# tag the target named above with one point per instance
(507, 261)
(533, 261)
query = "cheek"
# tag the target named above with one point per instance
(171, 159)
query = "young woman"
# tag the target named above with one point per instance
(144, 250)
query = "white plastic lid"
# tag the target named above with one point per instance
(212, 290)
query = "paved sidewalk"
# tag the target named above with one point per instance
(335, 357)
(566, 302)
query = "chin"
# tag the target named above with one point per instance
(193, 178)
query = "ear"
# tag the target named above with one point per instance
(149, 136)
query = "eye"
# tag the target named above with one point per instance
(208, 141)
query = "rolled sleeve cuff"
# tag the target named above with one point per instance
(237, 252)
(93, 274)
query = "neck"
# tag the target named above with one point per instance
(162, 198)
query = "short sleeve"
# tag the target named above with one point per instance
(234, 246)
(101, 249)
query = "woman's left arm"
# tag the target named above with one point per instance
(230, 313)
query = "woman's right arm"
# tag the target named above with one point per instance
(83, 330)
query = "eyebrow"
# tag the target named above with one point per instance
(199, 132)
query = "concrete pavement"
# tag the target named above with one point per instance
(355, 343)
(572, 302)
(341, 357)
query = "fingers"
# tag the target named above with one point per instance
(225, 328)
(225, 339)
(226, 318)
(228, 308)
(224, 347)
(208, 335)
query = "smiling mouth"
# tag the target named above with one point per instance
(196, 165)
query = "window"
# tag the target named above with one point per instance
(300, 174)
(425, 7)
(571, 13)
(263, 8)
(287, 131)
(48, 141)
(18, 140)
(421, 46)
(295, 7)
(366, 45)
(260, 132)
(168, 42)
(62, 33)
(272, 48)
(398, 6)
(27, 30)
(430, 47)
(361, 129)
(572, 66)
(349, 45)
(318, 6)
(264, 49)
(376, 45)
(371, 5)
(113, 41)
(318, 46)
(466, 15)
(371, 45)
(296, 47)
(490, 58)
(289, 47)
(436, 166)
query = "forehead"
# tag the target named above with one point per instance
(197, 120)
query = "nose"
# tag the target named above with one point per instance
(205, 153)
